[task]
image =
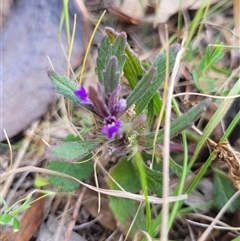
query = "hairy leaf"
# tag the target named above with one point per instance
(102, 57)
(177, 125)
(111, 75)
(160, 62)
(153, 178)
(118, 49)
(72, 150)
(125, 209)
(149, 84)
(80, 171)
(66, 87)
(140, 90)
(133, 70)
(223, 191)
(105, 53)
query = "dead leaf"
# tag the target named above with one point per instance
(225, 153)
(91, 205)
(134, 10)
(48, 232)
(130, 10)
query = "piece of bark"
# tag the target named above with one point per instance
(29, 35)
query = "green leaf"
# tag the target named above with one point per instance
(196, 78)
(202, 66)
(177, 125)
(125, 209)
(236, 239)
(154, 180)
(211, 57)
(16, 224)
(5, 218)
(155, 76)
(66, 87)
(216, 58)
(81, 171)
(160, 62)
(150, 114)
(111, 76)
(216, 54)
(157, 101)
(141, 89)
(102, 57)
(176, 168)
(133, 70)
(3, 202)
(223, 190)
(118, 49)
(40, 182)
(125, 174)
(105, 53)
(73, 150)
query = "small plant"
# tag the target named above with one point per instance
(211, 56)
(9, 215)
(123, 125)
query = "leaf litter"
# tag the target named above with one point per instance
(223, 152)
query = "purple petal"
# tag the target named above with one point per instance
(111, 127)
(119, 88)
(83, 95)
(120, 107)
(81, 92)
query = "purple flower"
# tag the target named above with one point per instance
(108, 107)
(111, 126)
(83, 95)
(120, 106)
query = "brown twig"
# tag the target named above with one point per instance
(75, 215)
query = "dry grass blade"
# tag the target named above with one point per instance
(236, 36)
(4, 190)
(114, 193)
(75, 215)
(217, 218)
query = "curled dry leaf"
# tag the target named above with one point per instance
(129, 10)
(134, 10)
(224, 152)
